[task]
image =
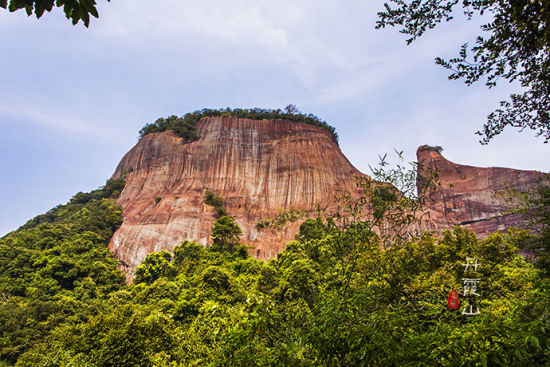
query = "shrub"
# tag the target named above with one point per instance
(284, 217)
(215, 201)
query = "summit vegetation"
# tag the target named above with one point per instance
(185, 126)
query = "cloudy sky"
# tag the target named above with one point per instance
(73, 99)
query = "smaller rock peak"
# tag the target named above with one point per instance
(429, 155)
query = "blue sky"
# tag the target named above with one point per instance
(72, 100)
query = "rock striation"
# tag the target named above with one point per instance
(469, 196)
(261, 167)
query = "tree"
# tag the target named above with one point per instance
(225, 234)
(156, 264)
(313, 229)
(515, 47)
(291, 109)
(75, 10)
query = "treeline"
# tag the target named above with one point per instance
(65, 213)
(185, 126)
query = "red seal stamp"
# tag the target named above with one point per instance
(452, 301)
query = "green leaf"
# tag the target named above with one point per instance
(89, 5)
(83, 14)
(14, 5)
(39, 9)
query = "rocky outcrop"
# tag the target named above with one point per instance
(468, 196)
(259, 167)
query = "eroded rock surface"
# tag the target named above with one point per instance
(259, 167)
(472, 196)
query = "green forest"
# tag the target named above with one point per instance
(342, 294)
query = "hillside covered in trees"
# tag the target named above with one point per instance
(344, 293)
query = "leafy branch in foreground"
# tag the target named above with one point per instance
(389, 204)
(384, 214)
(75, 10)
(514, 46)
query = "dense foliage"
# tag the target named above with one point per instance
(75, 10)
(514, 46)
(56, 269)
(185, 126)
(347, 292)
(320, 302)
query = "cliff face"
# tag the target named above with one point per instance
(466, 195)
(259, 167)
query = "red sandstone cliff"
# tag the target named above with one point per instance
(466, 195)
(259, 167)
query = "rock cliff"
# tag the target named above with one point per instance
(468, 196)
(261, 167)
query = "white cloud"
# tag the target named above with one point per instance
(332, 48)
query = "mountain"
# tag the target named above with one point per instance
(265, 170)
(259, 167)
